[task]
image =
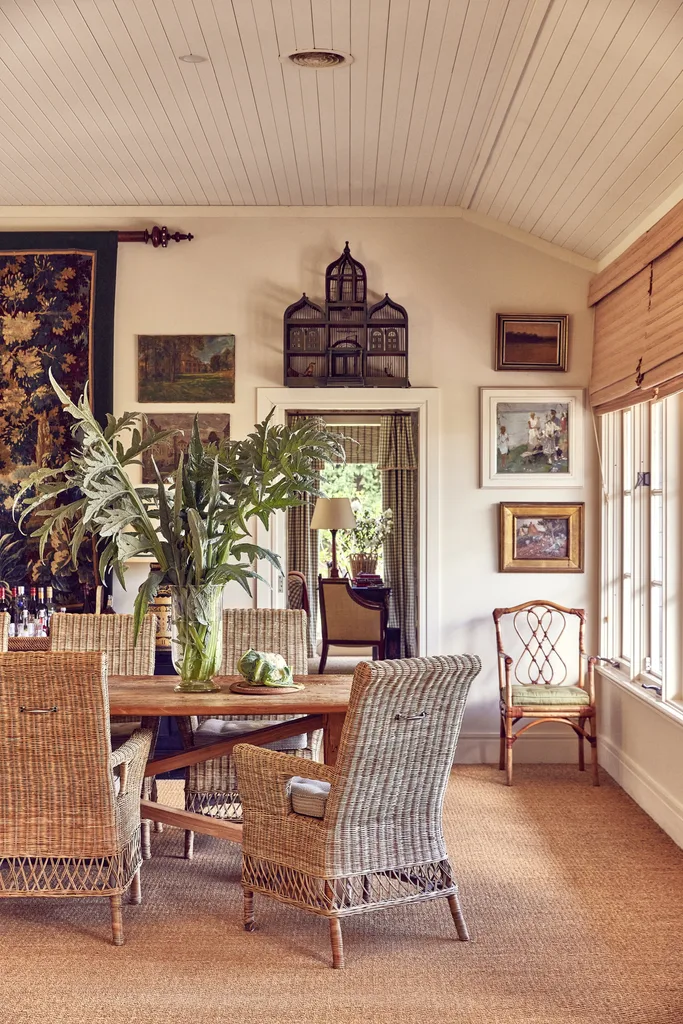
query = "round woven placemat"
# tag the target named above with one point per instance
(263, 691)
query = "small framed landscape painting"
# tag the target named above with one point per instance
(532, 437)
(213, 427)
(541, 537)
(533, 342)
(186, 368)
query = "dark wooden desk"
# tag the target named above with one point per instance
(322, 702)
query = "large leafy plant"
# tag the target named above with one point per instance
(195, 524)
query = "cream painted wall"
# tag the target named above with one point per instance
(240, 273)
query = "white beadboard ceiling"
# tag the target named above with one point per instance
(563, 118)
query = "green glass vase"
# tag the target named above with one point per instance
(197, 637)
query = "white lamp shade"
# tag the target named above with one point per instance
(333, 514)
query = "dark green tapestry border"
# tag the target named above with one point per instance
(104, 244)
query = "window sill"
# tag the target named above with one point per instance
(673, 710)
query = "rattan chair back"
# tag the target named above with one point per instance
(347, 618)
(4, 631)
(281, 630)
(395, 757)
(297, 591)
(113, 634)
(544, 640)
(56, 784)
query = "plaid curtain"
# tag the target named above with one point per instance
(398, 466)
(302, 541)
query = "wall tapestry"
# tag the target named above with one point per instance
(186, 368)
(213, 428)
(531, 437)
(56, 313)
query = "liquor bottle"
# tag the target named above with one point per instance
(32, 603)
(13, 612)
(19, 605)
(4, 603)
(109, 606)
(41, 613)
(49, 607)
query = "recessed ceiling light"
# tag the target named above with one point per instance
(193, 58)
(317, 58)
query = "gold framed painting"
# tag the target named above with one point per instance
(541, 536)
(533, 341)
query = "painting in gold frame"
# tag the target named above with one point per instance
(541, 536)
(531, 341)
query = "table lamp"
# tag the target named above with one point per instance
(333, 514)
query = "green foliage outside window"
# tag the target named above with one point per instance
(361, 482)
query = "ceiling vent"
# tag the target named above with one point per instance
(318, 59)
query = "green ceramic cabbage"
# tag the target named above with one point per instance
(263, 668)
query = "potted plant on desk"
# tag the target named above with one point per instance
(364, 542)
(194, 524)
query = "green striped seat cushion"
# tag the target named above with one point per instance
(542, 694)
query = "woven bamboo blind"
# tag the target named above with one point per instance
(361, 441)
(638, 348)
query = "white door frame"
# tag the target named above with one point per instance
(424, 402)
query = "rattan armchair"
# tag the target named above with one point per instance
(70, 822)
(115, 636)
(544, 675)
(211, 786)
(380, 841)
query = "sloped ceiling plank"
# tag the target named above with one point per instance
(618, 109)
(434, 95)
(576, 124)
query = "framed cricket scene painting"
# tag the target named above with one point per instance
(541, 537)
(531, 342)
(532, 437)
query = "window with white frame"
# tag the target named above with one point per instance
(641, 531)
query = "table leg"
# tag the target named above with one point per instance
(332, 729)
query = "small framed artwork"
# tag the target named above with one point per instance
(531, 342)
(213, 428)
(541, 537)
(186, 368)
(532, 437)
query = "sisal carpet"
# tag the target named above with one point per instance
(574, 899)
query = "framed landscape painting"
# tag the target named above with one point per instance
(541, 537)
(213, 428)
(531, 342)
(532, 437)
(186, 368)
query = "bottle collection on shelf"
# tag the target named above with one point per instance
(30, 614)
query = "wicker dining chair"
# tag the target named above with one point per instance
(544, 675)
(115, 635)
(4, 631)
(379, 840)
(211, 786)
(70, 823)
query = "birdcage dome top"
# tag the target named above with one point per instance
(345, 279)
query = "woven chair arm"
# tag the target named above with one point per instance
(131, 758)
(263, 776)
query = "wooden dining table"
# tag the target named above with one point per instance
(322, 703)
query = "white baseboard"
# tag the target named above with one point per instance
(532, 748)
(662, 806)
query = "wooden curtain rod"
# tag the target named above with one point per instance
(157, 236)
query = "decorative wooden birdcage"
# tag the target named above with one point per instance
(346, 344)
